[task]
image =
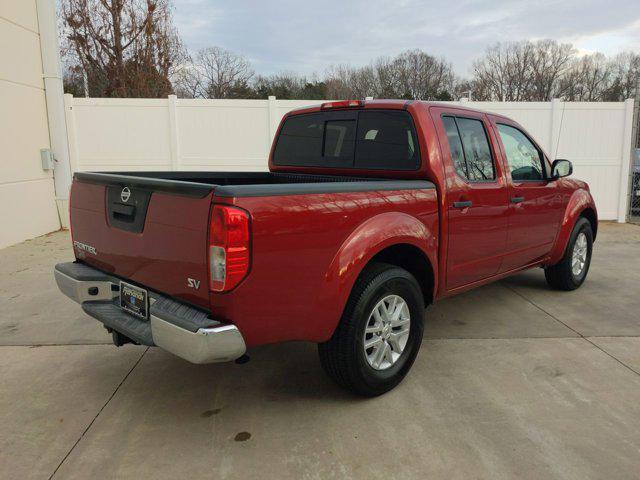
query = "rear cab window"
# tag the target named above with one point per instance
(363, 139)
(339, 140)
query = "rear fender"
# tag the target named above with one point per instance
(580, 200)
(370, 238)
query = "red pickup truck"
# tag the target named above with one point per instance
(370, 212)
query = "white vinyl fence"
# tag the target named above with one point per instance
(235, 135)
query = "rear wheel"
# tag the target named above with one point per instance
(379, 334)
(571, 271)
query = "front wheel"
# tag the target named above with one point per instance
(379, 334)
(570, 272)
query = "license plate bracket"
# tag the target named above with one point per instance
(134, 300)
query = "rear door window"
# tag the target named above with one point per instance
(477, 152)
(470, 150)
(364, 139)
(455, 146)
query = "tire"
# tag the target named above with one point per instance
(562, 275)
(364, 371)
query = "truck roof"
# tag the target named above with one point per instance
(396, 104)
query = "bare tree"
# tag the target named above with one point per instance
(505, 72)
(418, 75)
(413, 74)
(288, 85)
(187, 81)
(546, 69)
(284, 85)
(550, 62)
(222, 72)
(124, 48)
(338, 80)
(626, 73)
(364, 82)
(589, 79)
(465, 88)
(345, 82)
(522, 71)
(385, 78)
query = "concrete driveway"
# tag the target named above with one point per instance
(513, 381)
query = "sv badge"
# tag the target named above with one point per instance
(192, 283)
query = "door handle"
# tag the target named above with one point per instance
(517, 199)
(464, 204)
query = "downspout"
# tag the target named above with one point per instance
(54, 94)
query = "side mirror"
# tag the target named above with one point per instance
(561, 168)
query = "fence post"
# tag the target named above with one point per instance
(70, 119)
(635, 144)
(625, 166)
(272, 119)
(557, 109)
(174, 151)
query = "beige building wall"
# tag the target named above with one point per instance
(27, 197)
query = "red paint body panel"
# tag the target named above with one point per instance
(580, 199)
(476, 235)
(172, 247)
(308, 250)
(533, 224)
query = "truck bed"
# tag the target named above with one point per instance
(158, 237)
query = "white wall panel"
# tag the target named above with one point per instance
(223, 136)
(592, 134)
(27, 210)
(603, 181)
(20, 60)
(23, 123)
(121, 134)
(20, 12)
(27, 197)
(534, 116)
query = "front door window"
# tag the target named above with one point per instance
(523, 158)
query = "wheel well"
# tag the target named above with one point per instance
(414, 261)
(590, 215)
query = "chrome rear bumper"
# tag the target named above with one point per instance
(191, 334)
(206, 345)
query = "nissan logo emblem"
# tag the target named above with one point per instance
(125, 194)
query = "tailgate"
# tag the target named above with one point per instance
(149, 231)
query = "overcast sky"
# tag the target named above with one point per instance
(309, 36)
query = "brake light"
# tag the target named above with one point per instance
(228, 247)
(342, 104)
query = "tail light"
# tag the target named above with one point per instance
(70, 221)
(342, 104)
(228, 247)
